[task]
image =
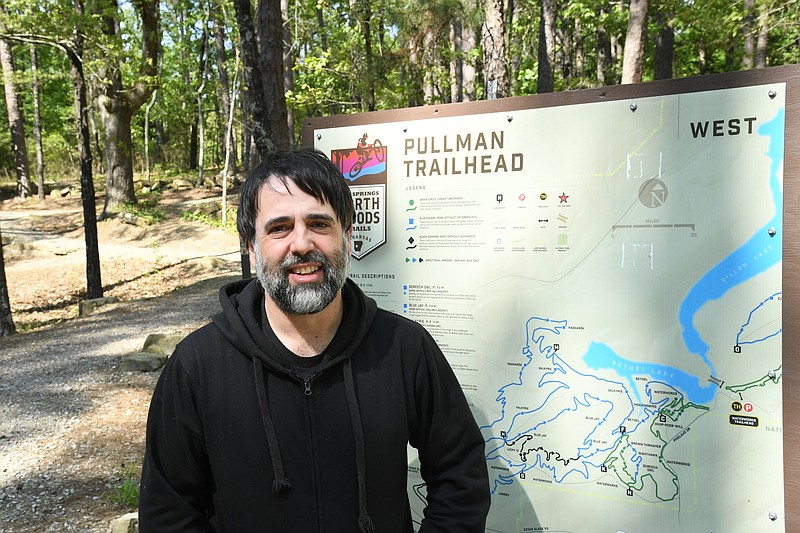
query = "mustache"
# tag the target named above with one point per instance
(310, 257)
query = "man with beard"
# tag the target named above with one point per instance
(292, 410)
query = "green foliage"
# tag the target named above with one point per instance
(146, 207)
(408, 63)
(230, 219)
(126, 494)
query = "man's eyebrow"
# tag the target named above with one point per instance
(276, 220)
(321, 216)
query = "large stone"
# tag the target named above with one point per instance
(142, 362)
(128, 523)
(87, 307)
(161, 343)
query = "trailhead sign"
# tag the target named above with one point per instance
(605, 279)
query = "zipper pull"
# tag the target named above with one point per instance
(307, 387)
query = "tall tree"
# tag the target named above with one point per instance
(665, 47)
(633, 57)
(94, 285)
(225, 90)
(119, 102)
(16, 120)
(495, 62)
(748, 30)
(255, 101)
(37, 123)
(547, 46)
(269, 29)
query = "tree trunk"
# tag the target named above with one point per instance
(269, 23)
(748, 30)
(288, 64)
(37, 124)
(547, 46)
(201, 124)
(147, 134)
(225, 93)
(119, 103)
(495, 67)
(456, 63)
(6, 321)
(603, 50)
(16, 121)
(94, 285)
(255, 100)
(763, 35)
(119, 158)
(633, 56)
(469, 40)
(665, 48)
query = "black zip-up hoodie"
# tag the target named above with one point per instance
(245, 436)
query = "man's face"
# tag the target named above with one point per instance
(301, 251)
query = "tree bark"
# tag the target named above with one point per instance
(225, 93)
(547, 46)
(269, 23)
(6, 321)
(37, 124)
(763, 36)
(748, 30)
(495, 66)
(633, 56)
(456, 63)
(603, 50)
(119, 103)
(94, 285)
(469, 40)
(288, 64)
(254, 100)
(16, 121)
(665, 48)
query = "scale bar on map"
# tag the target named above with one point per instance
(650, 226)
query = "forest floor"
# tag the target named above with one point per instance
(72, 426)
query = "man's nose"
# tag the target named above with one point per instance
(302, 242)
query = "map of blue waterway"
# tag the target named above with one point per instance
(554, 392)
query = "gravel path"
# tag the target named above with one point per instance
(71, 425)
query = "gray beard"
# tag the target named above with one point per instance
(307, 298)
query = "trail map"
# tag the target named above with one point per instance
(605, 280)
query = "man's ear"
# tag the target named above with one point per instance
(252, 253)
(349, 234)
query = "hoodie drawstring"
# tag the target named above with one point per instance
(364, 521)
(281, 483)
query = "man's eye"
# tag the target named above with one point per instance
(278, 229)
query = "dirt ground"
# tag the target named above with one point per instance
(72, 425)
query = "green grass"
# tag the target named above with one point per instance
(147, 208)
(230, 224)
(126, 494)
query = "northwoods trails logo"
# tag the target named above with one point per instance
(365, 168)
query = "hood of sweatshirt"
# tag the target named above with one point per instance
(241, 323)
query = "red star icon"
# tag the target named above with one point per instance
(563, 197)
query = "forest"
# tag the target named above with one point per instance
(111, 92)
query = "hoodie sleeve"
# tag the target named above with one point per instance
(451, 449)
(176, 488)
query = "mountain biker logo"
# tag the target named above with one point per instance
(365, 167)
(366, 159)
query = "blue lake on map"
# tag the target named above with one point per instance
(761, 252)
